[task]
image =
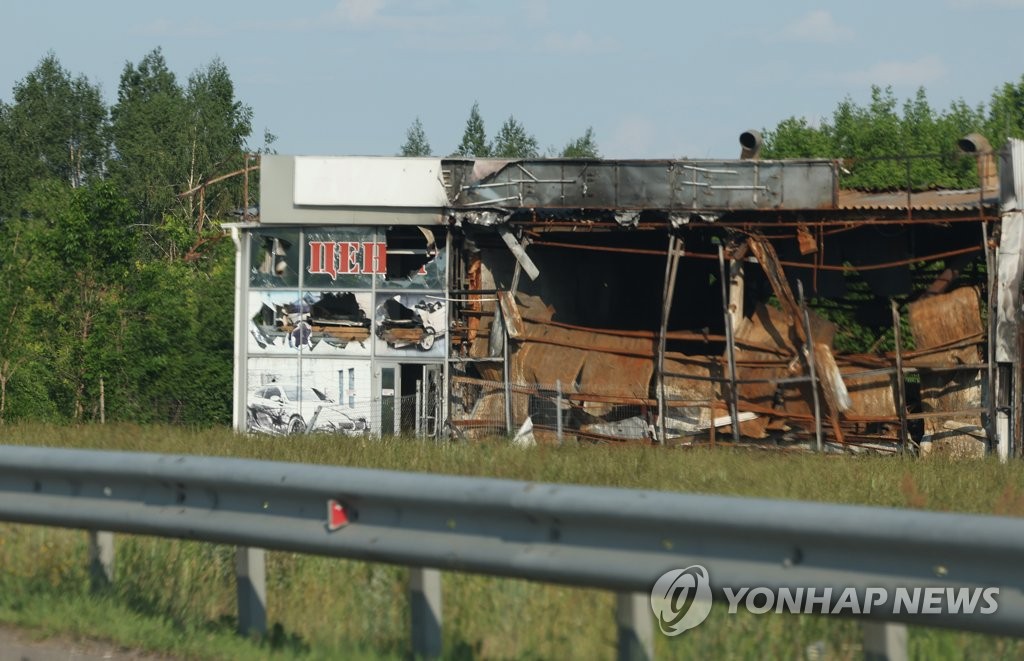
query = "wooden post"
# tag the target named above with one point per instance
(558, 409)
(809, 348)
(506, 368)
(991, 271)
(730, 350)
(671, 268)
(901, 388)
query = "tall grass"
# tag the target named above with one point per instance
(178, 597)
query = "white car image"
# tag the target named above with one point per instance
(286, 408)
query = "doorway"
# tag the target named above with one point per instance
(409, 398)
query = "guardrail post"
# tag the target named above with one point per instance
(885, 641)
(425, 605)
(101, 559)
(251, 581)
(636, 629)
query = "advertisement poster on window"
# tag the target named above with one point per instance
(319, 323)
(410, 325)
(316, 396)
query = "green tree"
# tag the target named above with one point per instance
(794, 137)
(56, 128)
(513, 141)
(216, 133)
(179, 330)
(148, 126)
(416, 143)
(23, 307)
(170, 142)
(474, 137)
(84, 259)
(584, 146)
(879, 142)
(1006, 113)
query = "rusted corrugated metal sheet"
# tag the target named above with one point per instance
(510, 313)
(616, 376)
(945, 200)
(871, 396)
(766, 327)
(686, 409)
(548, 353)
(938, 321)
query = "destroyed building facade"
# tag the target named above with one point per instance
(651, 301)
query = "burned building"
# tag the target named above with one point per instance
(654, 301)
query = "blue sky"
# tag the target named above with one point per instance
(661, 79)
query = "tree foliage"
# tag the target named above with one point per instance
(148, 124)
(215, 133)
(584, 146)
(885, 145)
(474, 137)
(107, 309)
(56, 128)
(416, 143)
(513, 141)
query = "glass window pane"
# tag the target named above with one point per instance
(344, 258)
(274, 258)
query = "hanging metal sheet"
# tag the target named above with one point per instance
(941, 321)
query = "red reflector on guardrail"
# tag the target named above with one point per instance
(337, 515)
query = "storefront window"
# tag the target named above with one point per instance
(274, 258)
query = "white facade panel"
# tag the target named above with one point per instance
(322, 181)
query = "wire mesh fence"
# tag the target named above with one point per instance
(532, 413)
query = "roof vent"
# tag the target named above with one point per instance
(750, 142)
(975, 144)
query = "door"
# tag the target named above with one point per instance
(408, 398)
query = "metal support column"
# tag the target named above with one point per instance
(251, 582)
(425, 607)
(636, 626)
(885, 641)
(101, 559)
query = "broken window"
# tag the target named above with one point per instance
(415, 258)
(274, 258)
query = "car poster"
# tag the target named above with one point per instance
(288, 396)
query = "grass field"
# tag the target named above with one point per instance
(177, 597)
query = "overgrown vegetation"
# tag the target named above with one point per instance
(885, 146)
(178, 597)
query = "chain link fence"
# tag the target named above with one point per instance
(532, 413)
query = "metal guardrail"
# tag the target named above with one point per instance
(616, 539)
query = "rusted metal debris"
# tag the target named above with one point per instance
(943, 320)
(773, 385)
(608, 380)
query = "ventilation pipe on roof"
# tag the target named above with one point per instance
(975, 144)
(750, 143)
